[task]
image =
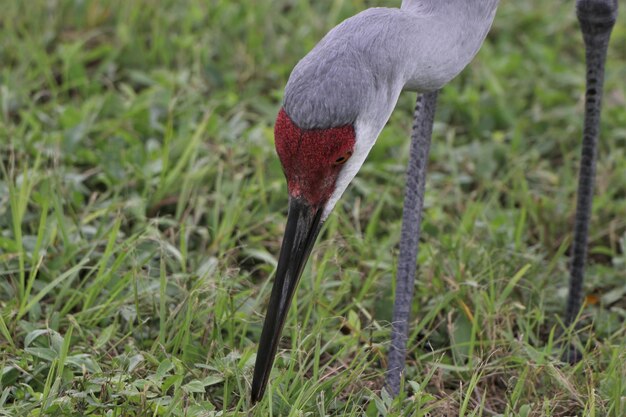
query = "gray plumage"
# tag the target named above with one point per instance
(380, 51)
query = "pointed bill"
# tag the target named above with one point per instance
(303, 226)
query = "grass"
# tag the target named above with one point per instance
(142, 207)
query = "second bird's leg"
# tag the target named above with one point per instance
(597, 18)
(409, 239)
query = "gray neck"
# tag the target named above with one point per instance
(359, 68)
(477, 7)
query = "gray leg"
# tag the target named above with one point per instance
(409, 240)
(597, 18)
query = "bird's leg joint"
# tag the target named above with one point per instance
(596, 16)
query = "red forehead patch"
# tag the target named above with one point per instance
(312, 158)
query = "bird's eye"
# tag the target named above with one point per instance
(342, 159)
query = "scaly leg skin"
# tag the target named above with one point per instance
(409, 239)
(597, 18)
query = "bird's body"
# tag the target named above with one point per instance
(356, 73)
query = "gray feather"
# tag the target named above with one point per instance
(420, 47)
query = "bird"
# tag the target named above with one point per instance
(338, 99)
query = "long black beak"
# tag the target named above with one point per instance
(303, 226)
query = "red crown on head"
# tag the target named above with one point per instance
(312, 158)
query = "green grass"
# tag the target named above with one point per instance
(142, 207)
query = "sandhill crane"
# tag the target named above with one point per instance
(339, 97)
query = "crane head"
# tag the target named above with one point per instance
(312, 161)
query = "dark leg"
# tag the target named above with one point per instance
(409, 239)
(597, 18)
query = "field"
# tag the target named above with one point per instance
(142, 208)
